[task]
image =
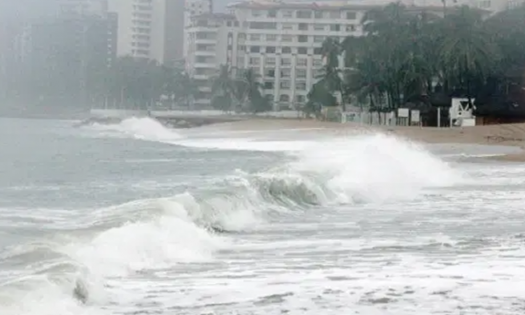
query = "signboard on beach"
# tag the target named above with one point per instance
(402, 113)
(415, 116)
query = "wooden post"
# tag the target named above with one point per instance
(439, 117)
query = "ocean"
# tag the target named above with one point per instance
(135, 218)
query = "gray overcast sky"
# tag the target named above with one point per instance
(220, 5)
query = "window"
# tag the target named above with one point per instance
(268, 85)
(272, 13)
(285, 73)
(287, 14)
(302, 50)
(319, 27)
(256, 13)
(300, 73)
(270, 73)
(286, 61)
(335, 27)
(350, 28)
(255, 61)
(287, 26)
(263, 25)
(351, 15)
(302, 62)
(301, 14)
(303, 27)
(286, 38)
(287, 50)
(255, 37)
(300, 98)
(270, 50)
(284, 98)
(255, 49)
(318, 63)
(302, 39)
(317, 51)
(318, 14)
(270, 61)
(335, 14)
(271, 38)
(318, 39)
(285, 84)
(301, 86)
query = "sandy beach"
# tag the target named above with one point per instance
(503, 135)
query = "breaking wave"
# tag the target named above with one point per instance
(139, 128)
(83, 262)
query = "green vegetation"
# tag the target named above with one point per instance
(127, 83)
(407, 54)
(238, 90)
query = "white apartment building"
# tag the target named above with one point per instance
(493, 6)
(212, 41)
(194, 8)
(280, 41)
(151, 29)
(83, 7)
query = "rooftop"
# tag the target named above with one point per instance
(214, 16)
(331, 5)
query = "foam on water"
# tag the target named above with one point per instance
(140, 128)
(289, 266)
(151, 130)
(376, 167)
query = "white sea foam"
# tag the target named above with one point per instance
(140, 128)
(375, 168)
(378, 229)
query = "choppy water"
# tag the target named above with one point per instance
(137, 219)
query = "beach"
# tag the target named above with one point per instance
(500, 135)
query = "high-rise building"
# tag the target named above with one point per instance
(65, 57)
(280, 41)
(151, 29)
(212, 41)
(193, 8)
(82, 7)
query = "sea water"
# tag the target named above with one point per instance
(135, 218)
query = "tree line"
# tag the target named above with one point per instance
(238, 90)
(127, 83)
(406, 55)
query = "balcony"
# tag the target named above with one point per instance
(209, 53)
(206, 65)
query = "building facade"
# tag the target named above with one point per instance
(83, 7)
(193, 8)
(212, 41)
(281, 41)
(150, 29)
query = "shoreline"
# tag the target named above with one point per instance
(511, 135)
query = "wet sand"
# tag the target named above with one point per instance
(501, 135)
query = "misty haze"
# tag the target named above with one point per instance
(262, 157)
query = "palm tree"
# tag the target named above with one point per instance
(186, 89)
(248, 90)
(331, 75)
(467, 52)
(223, 89)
